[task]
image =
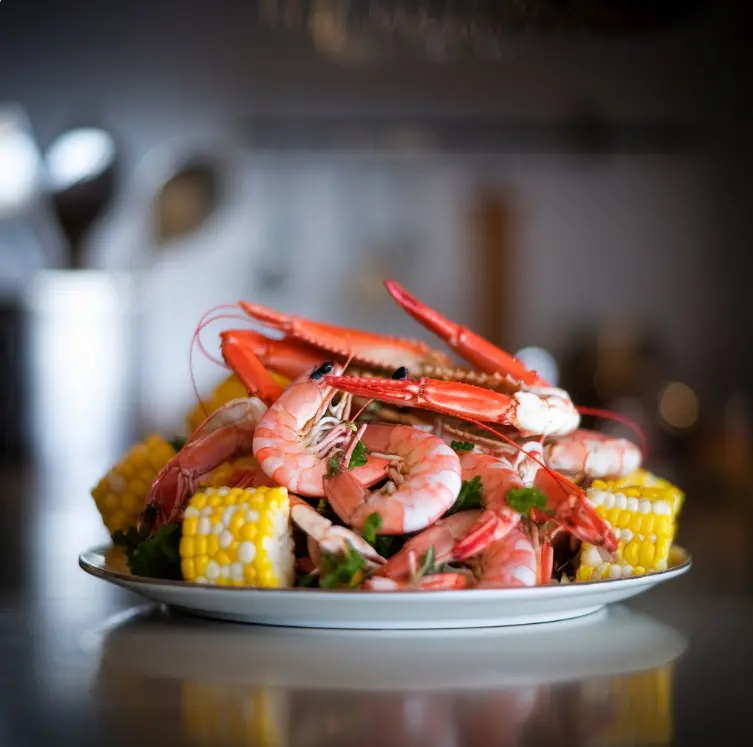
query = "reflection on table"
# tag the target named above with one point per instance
(605, 679)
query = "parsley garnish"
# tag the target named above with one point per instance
(469, 496)
(387, 545)
(342, 570)
(321, 507)
(372, 523)
(524, 499)
(333, 465)
(177, 442)
(157, 557)
(308, 579)
(461, 446)
(427, 566)
(358, 457)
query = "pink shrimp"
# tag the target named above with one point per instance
(497, 476)
(329, 537)
(442, 536)
(301, 431)
(431, 582)
(593, 454)
(225, 434)
(511, 561)
(425, 481)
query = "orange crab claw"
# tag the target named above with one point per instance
(289, 359)
(367, 348)
(463, 341)
(248, 368)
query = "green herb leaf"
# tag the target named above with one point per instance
(308, 579)
(388, 544)
(129, 539)
(358, 457)
(469, 496)
(321, 507)
(342, 570)
(157, 557)
(428, 563)
(177, 442)
(333, 465)
(372, 523)
(461, 446)
(524, 499)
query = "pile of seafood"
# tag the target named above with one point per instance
(338, 458)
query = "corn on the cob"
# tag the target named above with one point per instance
(121, 494)
(643, 518)
(228, 389)
(646, 479)
(238, 537)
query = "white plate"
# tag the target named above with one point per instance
(153, 642)
(319, 608)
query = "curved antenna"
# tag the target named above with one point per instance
(617, 417)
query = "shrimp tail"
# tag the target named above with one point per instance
(489, 528)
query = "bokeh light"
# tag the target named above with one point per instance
(79, 155)
(678, 406)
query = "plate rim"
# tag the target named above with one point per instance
(679, 569)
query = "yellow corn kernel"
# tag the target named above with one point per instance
(200, 548)
(645, 546)
(646, 554)
(241, 545)
(120, 496)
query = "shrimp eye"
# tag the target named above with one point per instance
(401, 373)
(325, 368)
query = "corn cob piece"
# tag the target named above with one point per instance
(643, 518)
(238, 537)
(646, 479)
(228, 389)
(121, 494)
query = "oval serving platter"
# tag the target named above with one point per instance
(363, 610)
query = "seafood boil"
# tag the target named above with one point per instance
(337, 458)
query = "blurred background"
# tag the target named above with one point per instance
(570, 179)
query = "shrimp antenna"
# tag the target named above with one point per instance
(561, 479)
(196, 341)
(617, 417)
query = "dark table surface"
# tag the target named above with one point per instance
(84, 662)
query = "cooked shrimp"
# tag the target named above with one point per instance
(442, 536)
(593, 454)
(497, 477)
(328, 536)
(425, 481)
(300, 432)
(511, 561)
(431, 582)
(226, 433)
